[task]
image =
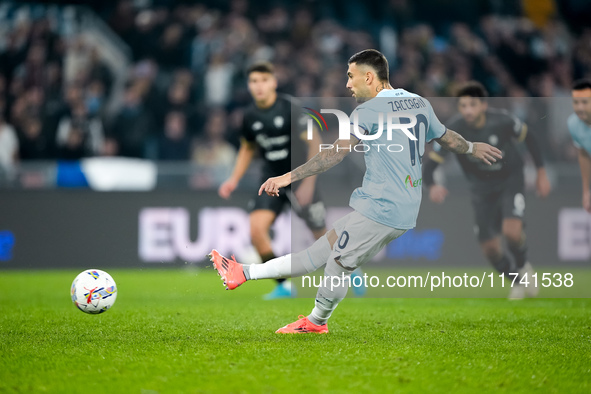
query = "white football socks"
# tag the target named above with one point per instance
(334, 288)
(291, 265)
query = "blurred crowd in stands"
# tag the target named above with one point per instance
(185, 91)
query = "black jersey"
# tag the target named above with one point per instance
(501, 130)
(278, 136)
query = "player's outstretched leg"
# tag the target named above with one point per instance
(289, 266)
(283, 287)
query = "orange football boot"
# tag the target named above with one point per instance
(303, 326)
(231, 271)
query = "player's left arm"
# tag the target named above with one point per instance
(327, 158)
(455, 143)
(543, 185)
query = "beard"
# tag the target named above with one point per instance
(360, 97)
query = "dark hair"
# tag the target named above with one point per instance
(472, 89)
(375, 60)
(582, 84)
(260, 67)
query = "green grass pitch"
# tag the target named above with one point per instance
(178, 331)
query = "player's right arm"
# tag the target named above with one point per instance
(585, 164)
(321, 162)
(243, 160)
(455, 143)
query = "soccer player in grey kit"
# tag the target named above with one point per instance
(383, 207)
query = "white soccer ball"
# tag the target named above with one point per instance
(93, 291)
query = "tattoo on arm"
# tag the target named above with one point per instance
(327, 158)
(453, 142)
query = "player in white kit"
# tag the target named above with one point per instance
(385, 207)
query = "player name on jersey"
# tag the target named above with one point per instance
(407, 104)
